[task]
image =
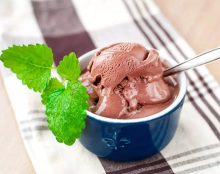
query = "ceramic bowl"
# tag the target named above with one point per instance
(134, 139)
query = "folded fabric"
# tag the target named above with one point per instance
(80, 26)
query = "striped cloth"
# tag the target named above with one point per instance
(80, 26)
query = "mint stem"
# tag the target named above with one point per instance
(63, 81)
(53, 67)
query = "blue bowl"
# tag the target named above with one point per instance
(129, 140)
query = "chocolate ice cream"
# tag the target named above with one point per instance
(125, 81)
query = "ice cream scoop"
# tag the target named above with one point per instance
(125, 80)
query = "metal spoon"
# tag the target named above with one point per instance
(201, 59)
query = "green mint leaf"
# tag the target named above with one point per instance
(69, 68)
(31, 63)
(54, 86)
(66, 111)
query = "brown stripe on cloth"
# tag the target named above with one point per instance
(62, 28)
(150, 165)
(204, 93)
(139, 27)
(196, 159)
(201, 96)
(181, 52)
(204, 116)
(199, 168)
(35, 128)
(211, 125)
(154, 162)
(42, 119)
(193, 151)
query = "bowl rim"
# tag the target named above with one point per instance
(172, 107)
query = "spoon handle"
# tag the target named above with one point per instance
(201, 59)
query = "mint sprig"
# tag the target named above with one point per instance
(65, 106)
(54, 87)
(32, 64)
(69, 67)
(66, 111)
